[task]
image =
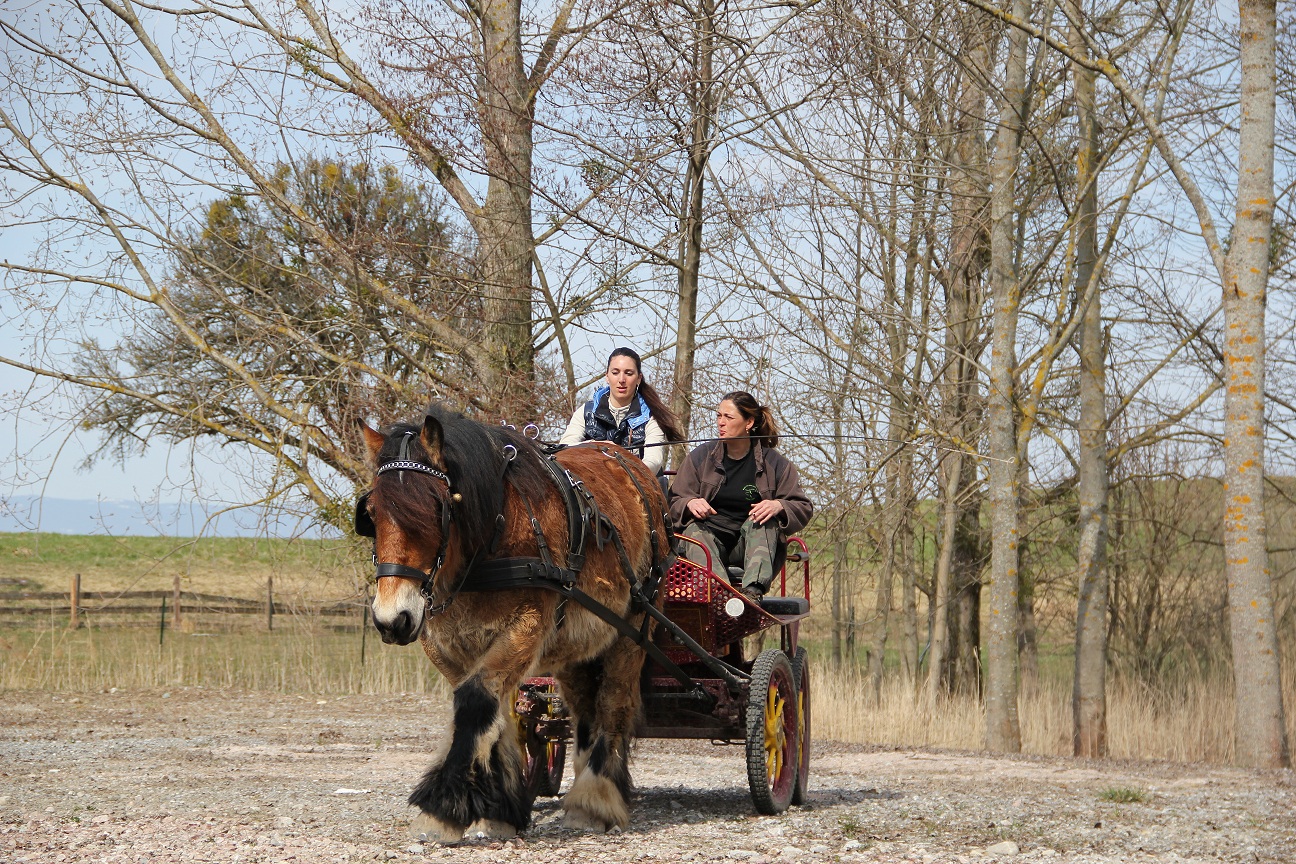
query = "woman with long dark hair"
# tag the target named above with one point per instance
(739, 496)
(626, 410)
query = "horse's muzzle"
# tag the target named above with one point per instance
(401, 630)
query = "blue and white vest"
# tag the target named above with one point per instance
(600, 426)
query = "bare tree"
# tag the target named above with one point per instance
(1089, 688)
(1007, 454)
(163, 111)
(1261, 739)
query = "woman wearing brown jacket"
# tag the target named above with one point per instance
(739, 496)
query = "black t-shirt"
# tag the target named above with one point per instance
(735, 497)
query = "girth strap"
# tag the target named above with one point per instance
(577, 503)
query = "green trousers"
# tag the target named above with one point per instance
(754, 551)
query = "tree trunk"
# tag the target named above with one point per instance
(839, 623)
(909, 589)
(1027, 633)
(882, 605)
(506, 242)
(701, 106)
(1003, 730)
(839, 532)
(1261, 739)
(1089, 683)
(965, 634)
(961, 398)
(941, 588)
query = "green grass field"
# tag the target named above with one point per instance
(233, 566)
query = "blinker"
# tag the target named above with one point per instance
(364, 524)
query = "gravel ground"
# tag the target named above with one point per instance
(193, 775)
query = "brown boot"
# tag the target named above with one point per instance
(753, 593)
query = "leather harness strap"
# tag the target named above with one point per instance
(583, 520)
(505, 573)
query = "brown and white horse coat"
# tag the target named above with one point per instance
(486, 642)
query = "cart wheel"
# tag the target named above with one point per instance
(801, 675)
(772, 732)
(544, 763)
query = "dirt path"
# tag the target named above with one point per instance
(195, 775)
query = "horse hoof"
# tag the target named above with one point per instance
(581, 821)
(490, 829)
(429, 828)
(594, 804)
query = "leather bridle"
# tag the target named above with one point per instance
(365, 527)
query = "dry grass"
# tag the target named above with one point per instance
(1189, 722)
(299, 659)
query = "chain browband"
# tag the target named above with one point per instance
(407, 465)
(383, 568)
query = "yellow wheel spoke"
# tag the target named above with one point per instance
(775, 735)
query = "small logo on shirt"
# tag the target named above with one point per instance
(750, 492)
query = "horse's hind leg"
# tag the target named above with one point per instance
(599, 796)
(580, 686)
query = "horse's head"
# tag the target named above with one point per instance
(408, 513)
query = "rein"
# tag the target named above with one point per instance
(583, 519)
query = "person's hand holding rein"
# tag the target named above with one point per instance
(700, 508)
(764, 510)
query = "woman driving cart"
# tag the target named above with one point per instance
(739, 496)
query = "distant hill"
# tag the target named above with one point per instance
(134, 518)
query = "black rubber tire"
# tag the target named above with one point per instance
(771, 733)
(801, 675)
(545, 761)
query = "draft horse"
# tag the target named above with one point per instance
(480, 542)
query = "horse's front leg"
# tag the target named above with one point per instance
(428, 825)
(479, 785)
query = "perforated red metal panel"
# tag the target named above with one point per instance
(729, 629)
(686, 582)
(695, 600)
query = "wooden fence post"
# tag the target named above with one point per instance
(364, 626)
(175, 602)
(74, 602)
(269, 602)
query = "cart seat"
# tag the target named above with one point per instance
(774, 605)
(785, 605)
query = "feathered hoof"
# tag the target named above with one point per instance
(594, 804)
(490, 829)
(429, 828)
(581, 821)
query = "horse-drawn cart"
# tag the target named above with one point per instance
(762, 701)
(500, 557)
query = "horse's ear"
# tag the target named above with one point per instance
(432, 438)
(373, 440)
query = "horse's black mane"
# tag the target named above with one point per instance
(474, 457)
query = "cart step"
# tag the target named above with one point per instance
(785, 605)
